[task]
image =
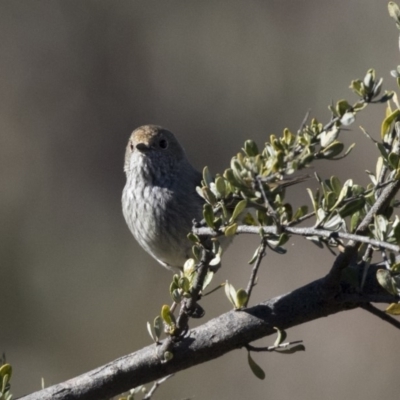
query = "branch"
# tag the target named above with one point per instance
(381, 314)
(303, 232)
(256, 266)
(230, 331)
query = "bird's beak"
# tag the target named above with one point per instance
(142, 147)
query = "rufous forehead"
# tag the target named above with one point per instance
(144, 135)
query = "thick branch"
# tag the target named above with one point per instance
(213, 339)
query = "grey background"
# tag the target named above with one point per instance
(76, 77)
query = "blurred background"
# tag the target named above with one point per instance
(76, 77)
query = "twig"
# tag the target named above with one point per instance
(155, 387)
(257, 263)
(324, 233)
(267, 204)
(304, 122)
(272, 348)
(381, 314)
(189, 305)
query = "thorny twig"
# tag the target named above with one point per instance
(257, 263)
(381, 314)
(324, 233)
(155, 387)
(249, 347)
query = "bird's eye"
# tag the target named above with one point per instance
(131, 146)
(163, 143)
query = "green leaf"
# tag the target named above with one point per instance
(208, 195)
(241, 298)
(231, 229)
(150, 331)
(394, 12)
(208, 215)
(231, 178)
(351, 207)
(193, 238)
(333, 150)
(207, 177)
(393, 159)
(342, 106)
(387, 122)
(5, 375)
(238, 210)
(167, 316)
(157, 324)
(354, 221)
(168, 356)
(300, 212)
(250, 148)
(291, 350)
(393, 309)
(357, 87)
(220, 186)
(255, 255)
(385, 280)
(184, 283)
(335, 184)
(255, 368)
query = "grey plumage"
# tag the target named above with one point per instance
(159, 200)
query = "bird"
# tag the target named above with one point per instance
(159, 200)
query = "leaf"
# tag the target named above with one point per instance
(151, 332)
(351, 207)
(208, 215)
(333, 150)
(168, 356)
(207, 177)
(193, 238)
(394, 12)
(5, 369)
(335, 185)
(381, 224)
(241, 298)
(250, 148)
(348, 118)
(342, 106)
(189, 267)
(231, 229)
(281, 336)
(255, 368)
(207, 279)
(208, 195)
(291, 350)
(167, 316)
(393, 159)
(388, 121)
(157, 324)
(230, 293)
(328, 137)
(184, 283)
(255, 255)
(385, 280)
(220, 186)
(238, 209)
(393, 309)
